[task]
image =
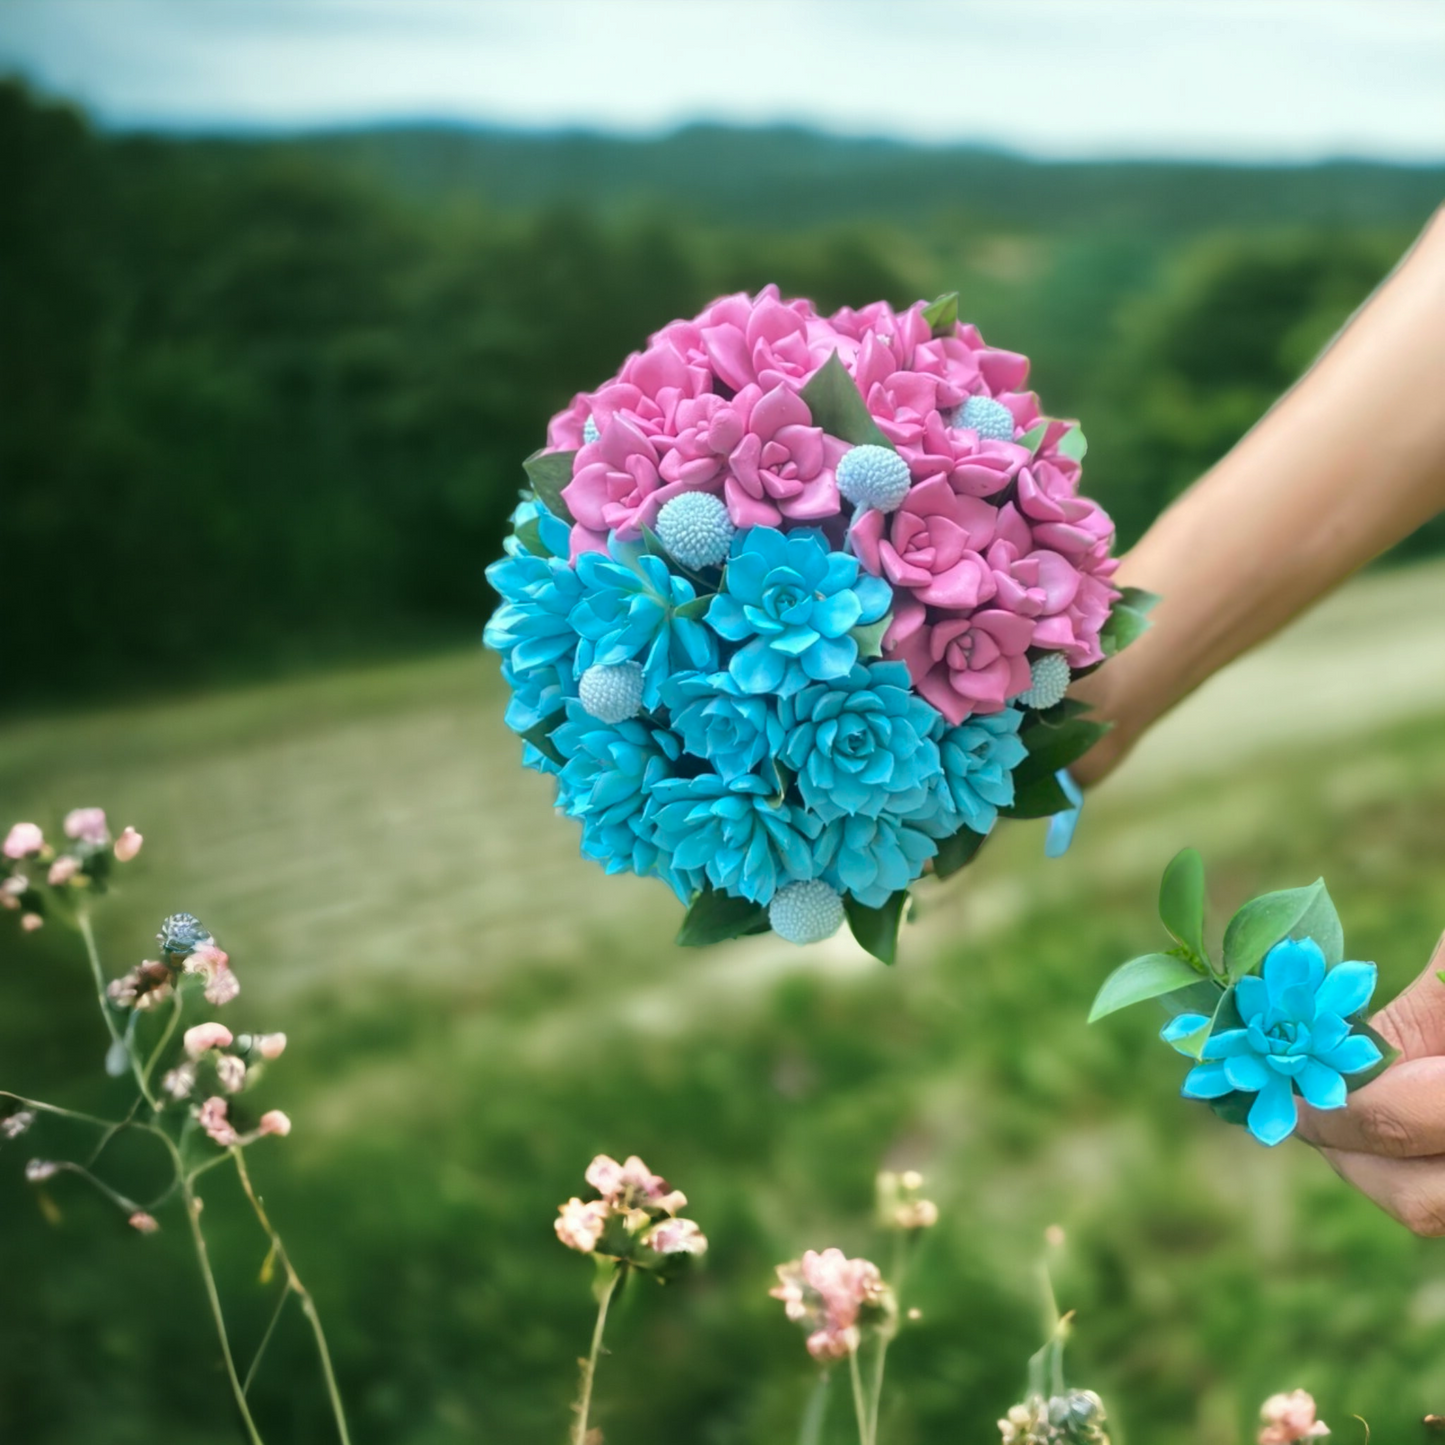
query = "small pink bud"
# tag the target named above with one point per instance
(8, 900)
(88, 826)
(63, 870)
(270, 1046)
(127, 845)
(207, 1036)
(31, 921)
(23, 840)
(212, 1118)
(232, 1073)
(143, 1222)
(273, 1121)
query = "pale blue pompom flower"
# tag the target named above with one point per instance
(806, 912)
(590, 433)
(873, 476)
(1049, 680)
(695, 528)
(612, 694)
(991, 419)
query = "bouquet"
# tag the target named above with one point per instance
(791, 605)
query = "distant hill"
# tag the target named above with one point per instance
(784, 177)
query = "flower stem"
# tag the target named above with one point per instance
(860, 1400)
(810, 1432)
(123, 1041)
(589, 1368)
(308, 1305)
(165, 1038)
(900, 1263)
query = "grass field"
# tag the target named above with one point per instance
(474, 1011)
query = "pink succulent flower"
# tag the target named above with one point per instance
(22, 840)
(212, 1118)
(1290, 1418)
(565, 430)
(87, 825)
(615, 486)
(972, 466)
(127, 845)
(825, 1293)
(764, 341)
(580, 1225)
(207, 1036)
(964, 664)
(274, 1121)
(62, 870)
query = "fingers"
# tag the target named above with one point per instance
(1411, 1191)
(1400, 1115)
(1415, 1021)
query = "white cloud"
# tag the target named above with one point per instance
(1234, 79)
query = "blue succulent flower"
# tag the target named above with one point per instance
(737, 833)
(792, 602)
(1296, 1034)
(610, 773)
(975, 777)
(718, 721)
(872, 858)
(531, 628)
(861, 743)
(628, 608)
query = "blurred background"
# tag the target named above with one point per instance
(290, 288)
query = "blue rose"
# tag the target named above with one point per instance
(738, 833)
(872, 858)
(628, 609)
(792, 602)
(861, 743)
(718, 721)
(611, 771)
(975, 776)
(1296, 1034)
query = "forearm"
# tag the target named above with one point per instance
(1351, 460)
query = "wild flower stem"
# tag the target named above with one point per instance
(123, 1041)
(589, 1368)
(860, 1400)
(165, 1038)
(810, 1432)
(266, 1338)
(45, 1108)
(895, 1276)
(308, 1306)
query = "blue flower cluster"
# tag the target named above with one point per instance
(732, 727)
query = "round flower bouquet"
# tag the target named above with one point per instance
(790, 609)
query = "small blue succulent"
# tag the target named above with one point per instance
(718, 721)
(1296, 1034)
(975, 777)
(531, 629)
(739, 834)
(872, 858)
(862, 743)
(792, 603)
(610, 773)
(628, 609)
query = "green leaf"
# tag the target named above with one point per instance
(1388, 1055)
(1123, 627)
(870, 637)
(942, 315)
(1040, 797)
(1033, 438)
(1321, 922)
(1139, 599)
(1262, 923)
(695, 610)
(838, 406)
(1181, 900)
(876, 929)
(1141, 978)
(1063, 712)
(540, 736)
(529, 534)
(1055, 745)
(548, 473)
(957, 852)
(716, 916)
(1233, 1108)
(1073, 445)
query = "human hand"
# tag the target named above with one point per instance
(1389, 1140)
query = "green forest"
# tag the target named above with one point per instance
(267, 398)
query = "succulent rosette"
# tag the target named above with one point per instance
(791, 605)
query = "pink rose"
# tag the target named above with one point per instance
(931, 546)
(964, 665)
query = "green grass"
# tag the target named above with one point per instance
(474, 1012)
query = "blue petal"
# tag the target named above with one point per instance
(1246, 1072)
(1274, 1115)
(1183, 1026)
(1292, 962)
(757, 668)
(831, 657)
(1251, 997)
(1322, 1086)
(1207, 1081)
(746, 574)
(725, 617)
(1351, 1057)
(1228, 1044)
(1347, 988)
(875, 595)
(1062, 825)
(834, 615)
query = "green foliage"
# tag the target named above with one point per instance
(548, 473)
(715, 917)
(838, 406)
(1181, 901)
(876, 929)
(1263, 922)
(1148, 976)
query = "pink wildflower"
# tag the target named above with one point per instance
(1289, 1418)
(269, 1046)
(273, 1121)
(31, 921)
(212, 1118)
(232, 1073)
(87, 825)
(207, 1036)
(214, 965)
(579, 1226)
(22, 840)
(179, 1082)
(127, 845)
(62, 870)
(826, 1293)
(677, 1236)
(146, 985)
(632, 1182)
(142, 1222)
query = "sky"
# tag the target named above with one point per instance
(1248, 80)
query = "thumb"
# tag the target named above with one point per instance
(1415, 1021)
